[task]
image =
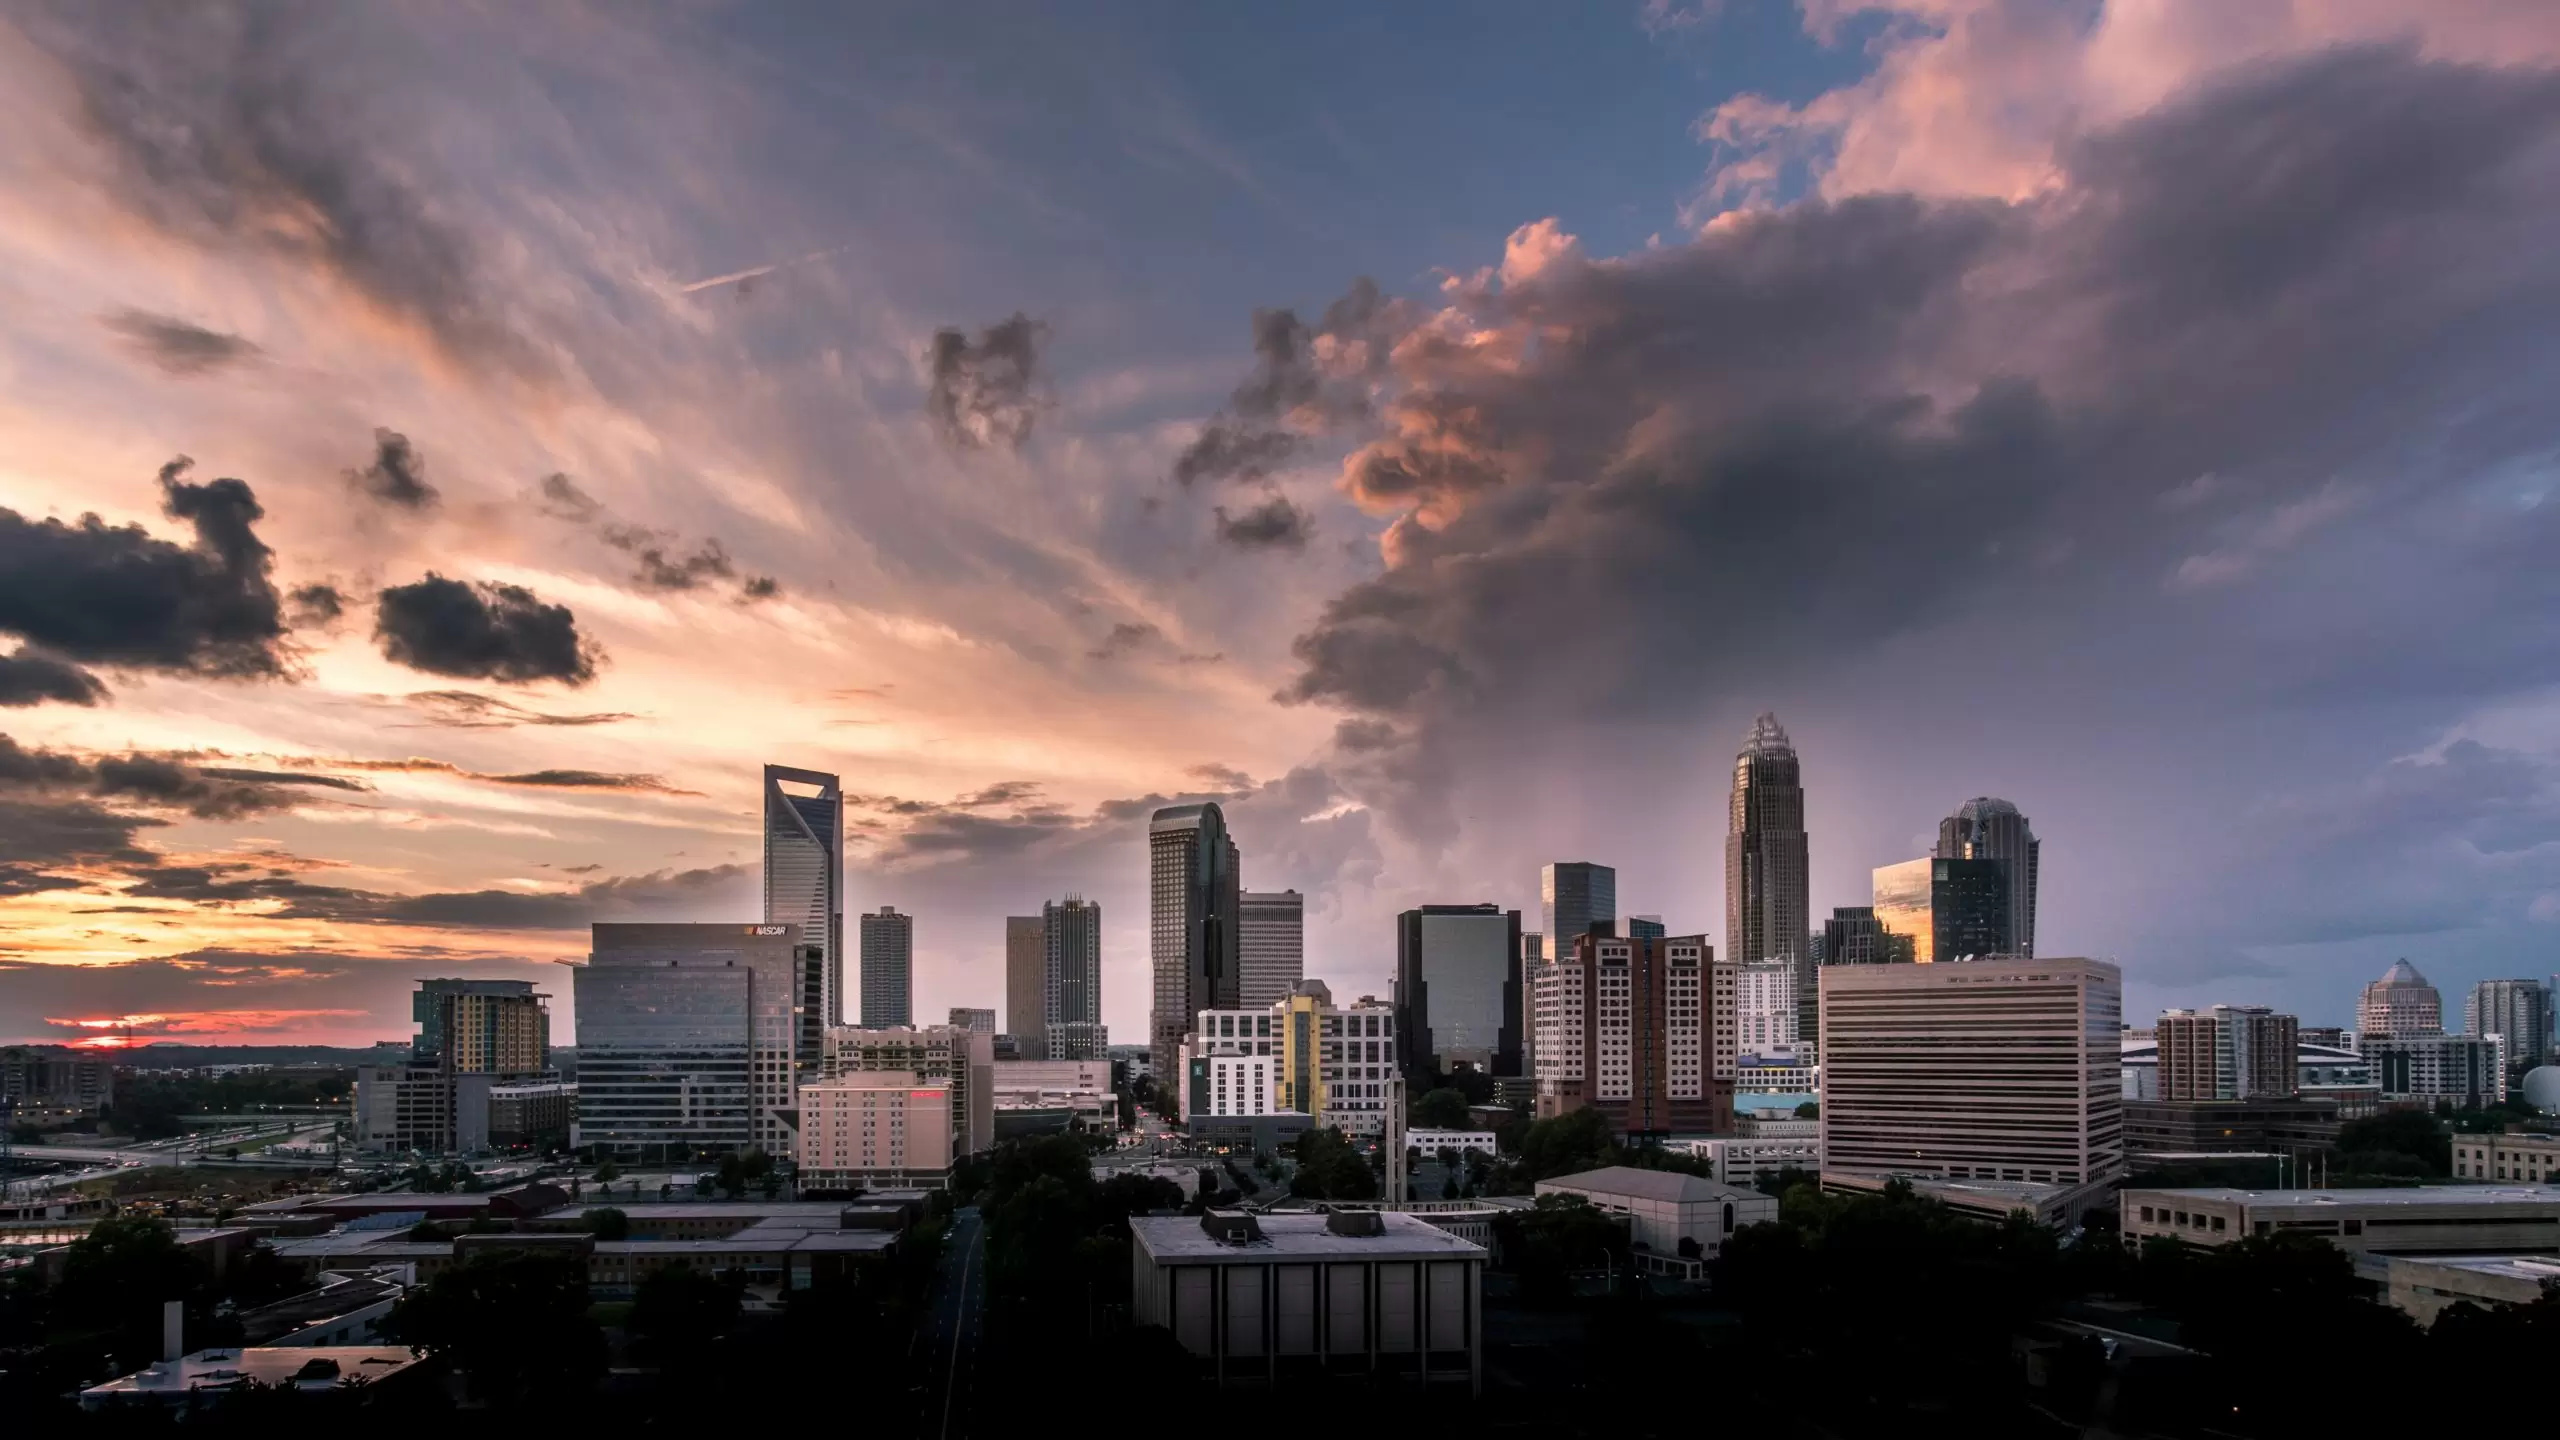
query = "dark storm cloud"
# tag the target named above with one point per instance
(116, 595)
(1275, 524)
(482, 631)
(1811, 430)
(665, 562)
(1126, 638)
(987, 391)
(535, 779)
(178, 346)
(397, 475)
(1305, 380)
(666, 894)
(315, 606)
(469, 710)
(32, 678)
(238, 124)
(174, 782)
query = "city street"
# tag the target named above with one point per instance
(948, 1347)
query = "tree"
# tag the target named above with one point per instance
(1570, 1143)
(116, 1278)
(607, 1173)
(1330, 1169)
(1554, 1237)
(609, 1223)
(2395, 1142)
(514, 1322)
(1442, 1109)
(677, 1315)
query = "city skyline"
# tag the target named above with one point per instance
(490, 481)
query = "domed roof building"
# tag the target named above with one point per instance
(2400, 1003)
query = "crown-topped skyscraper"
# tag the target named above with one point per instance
(1767, 911)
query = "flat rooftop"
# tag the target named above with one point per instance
(2379, 1196)
(297, 1367)
(1307, 1237)
(2533, 1269)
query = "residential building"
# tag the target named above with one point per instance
(1071, 980)
(1457, 989)
(477, 1040)
(1987, 829)
(888, 968)
(966, 1017)
(2418, 1220)
(874, 1128)
(1998, 1070)
(56, 1077)
(1334, 1064)
(961, 1061)
(2398, 1005)
(1669, 1213)
(2229, 1052)
(1764, 995)
(2530, 1158)
(2424, 1287)
(696, 1036)
(1574, 895)
(2464, 1070)
(1853, 936)
(1261, 1299)
(2518, 1014)
(1942, 910)
(804, 871)
(1645, 1034)
(1026, 984)
(1767, 912)
(1271, 946)
(1194, 902)
(2320, 1070)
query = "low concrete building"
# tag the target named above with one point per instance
(346, 1308)
(1745, 1160)
(1990, 1201)
(2424, 1219)
(1263, 1299)
(2423, 1287)
(1665, 1208)
(779, 1245)
(2534, 1159)
(2190, 1126)
(1432, 1142)
(383, 1374)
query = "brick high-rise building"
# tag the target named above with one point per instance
(2230, 1052)
(1644, 1030)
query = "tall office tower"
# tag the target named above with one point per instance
(2518, 1014)
(1997, 1070)
(1272, 943)
(888, 968)
(1764, 1006)
(2398, 1005)
(1767, 907)
(1646, 927)
(804, 869)
(1646, 1036)
(1192, 933)
(1026, 984)
(1457, 989)
(2230, 1052)
(1988, 829)
(964, 1061)
(1853, 936)
(1573, 895)
(974, 1018)
(1941, 910)
(696, 1035)
(1071, 980)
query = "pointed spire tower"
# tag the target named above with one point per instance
(1767, 910)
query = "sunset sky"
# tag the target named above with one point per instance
(446, 450)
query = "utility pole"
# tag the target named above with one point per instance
(1391, 1135)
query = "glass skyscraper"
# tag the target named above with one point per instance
(1272, 941)
(804, 868)
(1989, 829)
(1458, 989)
(888, 968)
(695, 1036)
(1572, 895)
(1942, 910)
(1767, 901)
(1194, 900)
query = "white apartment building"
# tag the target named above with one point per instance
(1999, 1070)
(1764, 997)
(874, 1128)
(1332, 1063)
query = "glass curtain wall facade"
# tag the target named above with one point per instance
(1026, 984)
(1458, 989)
(1989, 829)
(1193, 922)
(695, 1036)
(888, 968)
(804, 868)
(1767, 901)
(1572, 895)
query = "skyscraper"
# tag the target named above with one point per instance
(1458, 988)
(1940, 910)
(1193, 899)
(2230, 1052)
(1767, 907)
(804, 869)
(695, 1035)
(475, 1038)
(2399, 1005)
(1071, 979)
(888, 968)
(2518, 1013)
(1572, 894)
(1272, 940)
(1644, 1033)
(1853, 936)
(1988, 829)
(1026, 984)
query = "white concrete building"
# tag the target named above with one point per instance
(1432, 1142)
(2423, 1287)
(2422, 1219)
(1743, 1160)
(1663, 1208)
(1764, 998)
(2533, 1159)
